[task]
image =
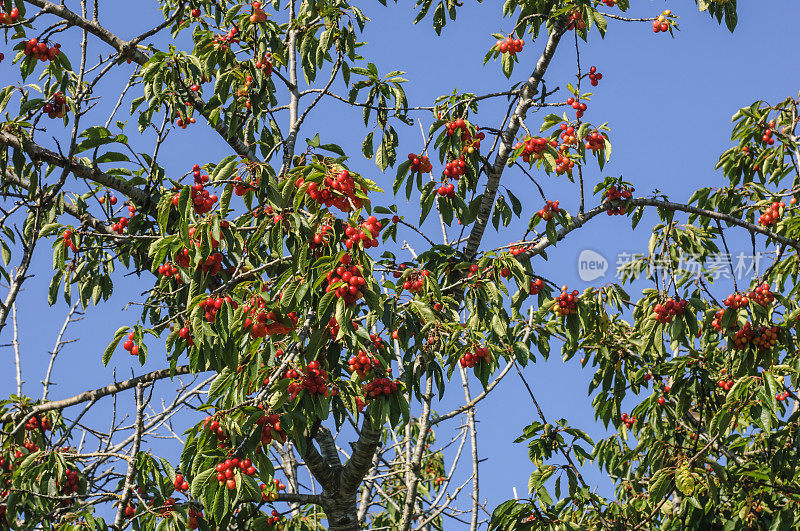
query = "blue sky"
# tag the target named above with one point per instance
(668, 103)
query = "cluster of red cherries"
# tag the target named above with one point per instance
(472, 358)
(267, 495)
(536, 286)
(767, 136)
(533, 147)
(415, 282)
(367, 233)
(349, 278)
(772, 214)
(717, 321)
(333, 327)
(202, 200)
(225, 471)
(258, 13)
(71, 483)
(517, 250)
(736, 301)
(664, 313)
(311, 379)
(474, 269)
(447, 190)
(564, 164)
(661, 23)
(265, 64)
(458, 125)
(594, 76)
(743, 336)
(130, 346)
(613, 193)
(362, 363)
(454, 169)
(223, 42)
(780, 397)
(168, 270)
(267, 323)
(762, 295)
(510, 45)
(579, 107)
(628, 420)
(275, 518)
(568, 134)
(216, 428)
(766, 337)
(183, 124)
(41, 51)
(549, 210)
(271, 429)
(380, 387)
(111, 199)
(213, 304)
(186, 334)
(180, 483)
(566, 303)
(212, 264)
(665, 391)
(242, 187)
(34, 423)
(419, 163)
(57, 107)
(594, 141)
(119, 226)
(576, 21)
(9, 18)
(338, 190)
(725, 385)
(194, 514)
(67, 236)
(28, 445)
(182, 258)
(321, 237)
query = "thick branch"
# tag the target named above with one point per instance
(85, 218)
(361, 461)
(579, 221)
(131, 472)
(99, 393)
(327, 447)
(292, 497)
(317, 466)
(414, 465)
(37, 152)
(527, 92)
(126, 49)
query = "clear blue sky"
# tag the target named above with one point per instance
(668, 103)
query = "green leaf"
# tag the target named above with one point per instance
(225, 169)
(660, 484)
(113, 345)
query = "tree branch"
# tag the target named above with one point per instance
(527, 92)
(361, 461)
(99, 393)
(131, 472)
(37, 152)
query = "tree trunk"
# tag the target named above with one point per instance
(341, 510)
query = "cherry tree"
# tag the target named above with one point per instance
(307, 343)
